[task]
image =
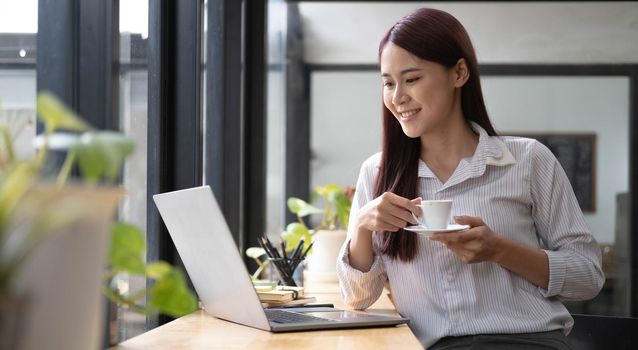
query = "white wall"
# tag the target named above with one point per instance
(345, 125)
(521, 32)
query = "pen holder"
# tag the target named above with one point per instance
(286, 268)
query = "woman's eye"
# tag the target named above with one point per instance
(412, 80)
(387, 84)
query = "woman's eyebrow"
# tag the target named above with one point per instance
(405, 71)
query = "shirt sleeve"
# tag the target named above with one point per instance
(574, 255)
(360, 289)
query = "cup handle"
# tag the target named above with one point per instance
(417, 219)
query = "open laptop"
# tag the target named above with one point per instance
(214, 264)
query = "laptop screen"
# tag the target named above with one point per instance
(214, 264)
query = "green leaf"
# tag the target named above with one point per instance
(309, 209)
(171, 296)
(326, 190)
(294, 233)
(342, 204)
(127, 248)
(101, 154)
(7, 143)
(295, 204)
(301, 207)
(158, 269)
(255, 252)
(15, 182)
(56, 115)
(91, 163)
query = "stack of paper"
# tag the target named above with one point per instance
(271, 296)
(293, 303)
(279, 293)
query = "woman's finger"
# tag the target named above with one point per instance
(395, 211)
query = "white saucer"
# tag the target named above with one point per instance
(426, 231)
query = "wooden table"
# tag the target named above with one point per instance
(202, 331)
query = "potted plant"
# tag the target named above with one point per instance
(54, 237)
(327, 236)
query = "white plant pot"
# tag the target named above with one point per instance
(62, 278)
(322, 261)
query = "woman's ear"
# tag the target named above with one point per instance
(461, 73)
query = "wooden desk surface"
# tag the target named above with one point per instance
(202, 331)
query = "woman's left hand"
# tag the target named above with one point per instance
(478, 244)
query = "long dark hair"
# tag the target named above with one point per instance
(435, 36)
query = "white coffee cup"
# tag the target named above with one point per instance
(436, 214)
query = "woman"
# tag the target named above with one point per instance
(527, 248)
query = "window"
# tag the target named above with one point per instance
(133, 108)
(18, 30)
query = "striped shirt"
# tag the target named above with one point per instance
(519, 189)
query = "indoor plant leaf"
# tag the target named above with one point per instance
(325, 191)
(158, 269)
(100, 154)
(301, 207)
(170, 295)
(294, 233)
(255, 252)
(342, 204)
(127, 248)
(56, 115)
(15, 183)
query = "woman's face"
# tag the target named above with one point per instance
(419, 93)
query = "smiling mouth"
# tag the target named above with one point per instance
(409, 113)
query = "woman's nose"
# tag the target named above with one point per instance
(399, 96)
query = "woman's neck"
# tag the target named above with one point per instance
(443, 148)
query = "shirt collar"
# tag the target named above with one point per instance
(489, 151)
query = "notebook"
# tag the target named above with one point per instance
(208, 251)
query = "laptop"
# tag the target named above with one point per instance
(214, 264)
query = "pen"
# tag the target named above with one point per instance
(305, 306)
(295, 254)
(283, 250)
(274, 251)
(319, 305)
(303, 256)
(263, 244)
(282, 268)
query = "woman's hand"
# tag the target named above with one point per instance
(477, 244)
(388, 212)
(480, 243)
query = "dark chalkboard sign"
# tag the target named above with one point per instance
(576, 153)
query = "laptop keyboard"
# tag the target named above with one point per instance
(281, 316)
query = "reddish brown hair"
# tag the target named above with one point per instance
(435, 36)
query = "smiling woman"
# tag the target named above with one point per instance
(527, 245)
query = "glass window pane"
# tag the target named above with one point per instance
(18, 30)
(275, 115)
(133, 120)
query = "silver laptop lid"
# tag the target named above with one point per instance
(205, 244)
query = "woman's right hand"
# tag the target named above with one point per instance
(388, 212)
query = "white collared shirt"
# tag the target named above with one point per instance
(519, 189)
